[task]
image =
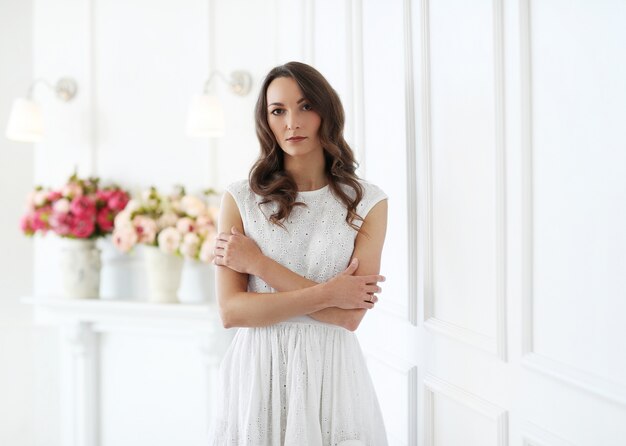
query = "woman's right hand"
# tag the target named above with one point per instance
(351, 292)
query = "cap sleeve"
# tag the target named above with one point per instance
(372, 194)
(239, 191)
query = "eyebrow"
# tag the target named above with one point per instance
(280, 103)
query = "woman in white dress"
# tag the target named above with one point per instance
(298, 258)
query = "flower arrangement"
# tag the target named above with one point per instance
(178, 224)
(81, 209)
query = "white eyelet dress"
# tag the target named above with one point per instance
(300, 382)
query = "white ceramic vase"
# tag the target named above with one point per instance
(164, 274)
(80, 268)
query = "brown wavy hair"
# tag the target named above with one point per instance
(268, 177)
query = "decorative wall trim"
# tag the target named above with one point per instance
(434, 385)
(355, 77)
(495, 344)
(409, 370)
(309, 32)
(93, 79)
(84, 322)
(501, 254)
(565, 373)
(426, 162)
(411, 166)
(80, 411)
(534, 435)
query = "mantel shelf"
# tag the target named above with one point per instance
(105, 311)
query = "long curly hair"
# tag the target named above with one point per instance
(268, 177)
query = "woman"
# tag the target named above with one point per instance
(298, 258)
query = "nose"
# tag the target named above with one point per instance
(292, 122)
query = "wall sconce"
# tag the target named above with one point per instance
(206, 115)
(25, 121)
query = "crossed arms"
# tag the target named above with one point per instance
(342, 301)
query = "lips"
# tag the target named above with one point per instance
(296, 138)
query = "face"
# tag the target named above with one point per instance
(291, 118)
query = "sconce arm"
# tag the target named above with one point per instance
(65, 88)
(240, 82)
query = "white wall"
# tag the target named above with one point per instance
(28, 403)
(494, 128)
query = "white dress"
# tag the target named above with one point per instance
(300, 382)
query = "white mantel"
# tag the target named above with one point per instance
(89, 420)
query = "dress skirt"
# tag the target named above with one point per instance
(296, 384)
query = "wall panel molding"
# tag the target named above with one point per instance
(532, 360)
(495, 344)
(433, 385)
(410, 372)
(534, 435)
(411, 166)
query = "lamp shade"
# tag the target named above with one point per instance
(205, 118)
(25, 122)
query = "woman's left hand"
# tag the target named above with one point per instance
(237, 252)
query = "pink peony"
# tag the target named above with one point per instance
(61, 206)
(103, 195)
(190, 245)
(118, 200)
(146, 229)
(26, 224)
(72, 190)
(185, 225)
(105, 219)
(83, 207)
(54, 195)
(83, 227)
(61, 224)
(40, 217)
(124, 238)
(169, 240)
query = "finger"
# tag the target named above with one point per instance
(221, 244)
(234, 230)
(352, 267)
(223, 236)
(373, 279)
(371, 289)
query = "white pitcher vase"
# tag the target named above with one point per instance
(80, 268)
(164, 275)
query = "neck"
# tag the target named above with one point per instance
(307, 171)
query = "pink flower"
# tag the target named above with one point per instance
(118, 200)
(83, 207)
(169, 240)
(105, 219)
(124, 238)
(83, 227)
(26, 224)
(146, 229)
(190, 245)
(206, 251)
(61, 224)
(40, 217)
(54, 195)
(61, 206)
(72, 190)
(103, 195)
(185, 225)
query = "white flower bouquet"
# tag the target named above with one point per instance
(178, 224)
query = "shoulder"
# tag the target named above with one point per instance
(371, 190)
(372, 195)
(238, 188)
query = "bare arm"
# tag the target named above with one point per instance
(244, 255)
(239, 308)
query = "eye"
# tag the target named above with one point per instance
(307, 107)
(274, 112)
